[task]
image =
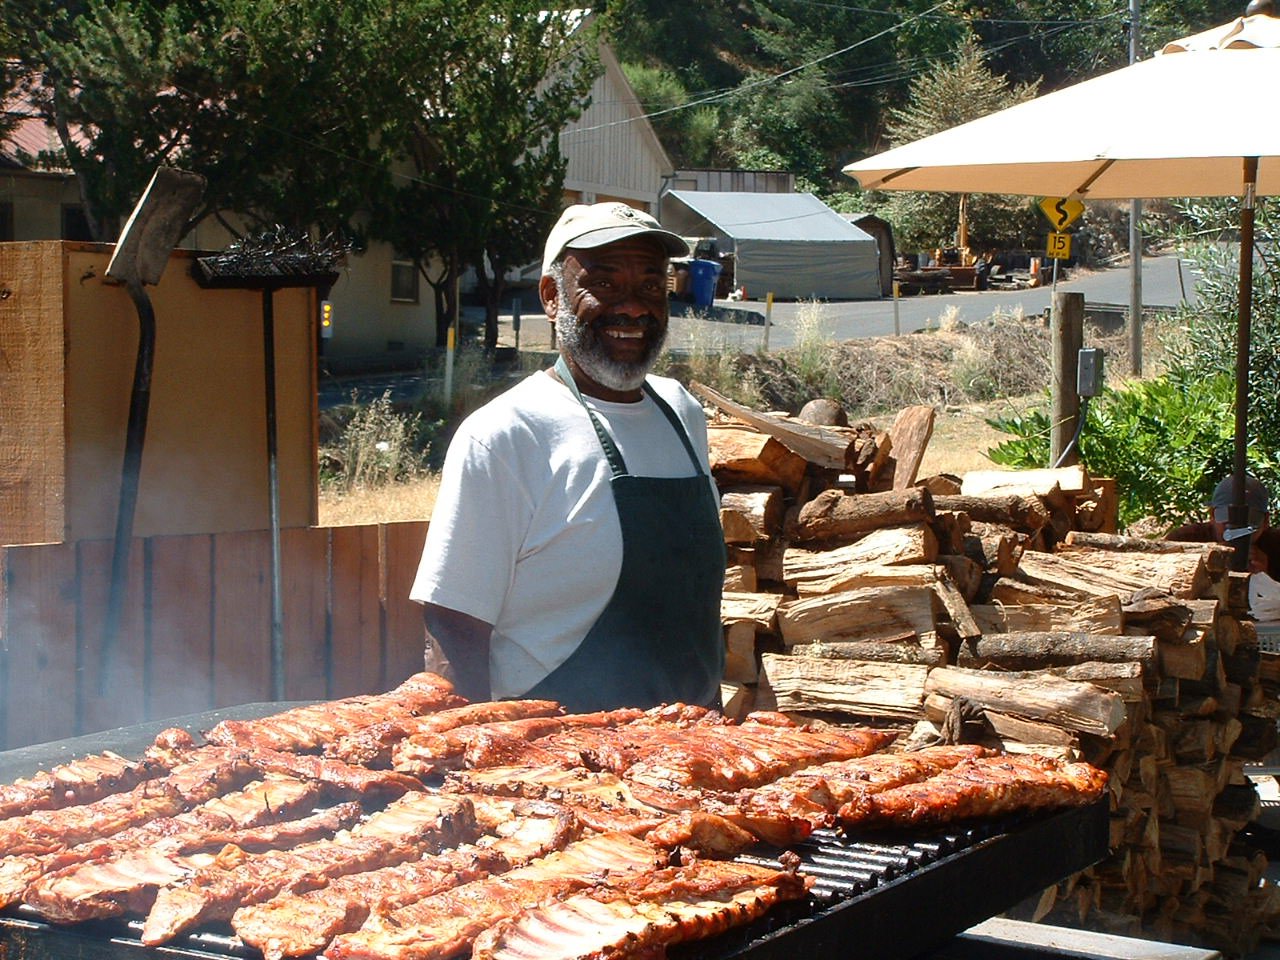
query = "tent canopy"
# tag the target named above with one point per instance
(790, 244)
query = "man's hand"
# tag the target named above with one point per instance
(463, 643)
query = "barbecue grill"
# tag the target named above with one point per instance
(878, 896)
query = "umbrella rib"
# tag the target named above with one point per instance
(1084, 187)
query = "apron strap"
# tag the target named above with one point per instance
(611, 451)
(681, 432)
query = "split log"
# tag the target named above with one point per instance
(750, 513)
(1098, 511)
(912, 428)
(1069, 480)
(740, 455)
(1012, 592)
(740, 579)
(1157, 613)
(1005, 725)
(965, 574)
(942, 484)
(740, 653)
(836, 515)
(1094, 615)
(1066, 703)
(1096, 573)
(1217, 558)
(852, 575)
(1030, 651)
(1020, 512)
(998, 549)
(1186, 658)
(951, 529)
(891, 546)
(759, 609)
(873, 652)
(873, 613)
(827, 447)
(849, 686)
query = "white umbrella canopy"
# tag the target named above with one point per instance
(1176, 125)
(1194, 121)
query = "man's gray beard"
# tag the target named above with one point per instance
(582, 345)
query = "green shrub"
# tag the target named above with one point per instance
(1165, 441)
(374, 444)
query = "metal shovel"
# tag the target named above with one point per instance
(142, 252)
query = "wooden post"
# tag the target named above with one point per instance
(1068, 337)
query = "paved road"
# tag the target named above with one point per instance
(740, 325)
(1163, 280)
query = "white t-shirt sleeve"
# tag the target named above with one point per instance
(474, 536)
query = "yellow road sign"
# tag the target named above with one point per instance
(1059, 246)
(1061, 212)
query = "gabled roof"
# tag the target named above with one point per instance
(770, 216)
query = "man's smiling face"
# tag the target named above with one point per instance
(611, 314)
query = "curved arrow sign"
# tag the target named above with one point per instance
(1061, 211)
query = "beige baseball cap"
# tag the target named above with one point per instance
(584, 226)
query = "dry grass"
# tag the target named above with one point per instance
(411, 500)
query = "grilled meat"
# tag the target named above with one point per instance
(309, 728)
(293, 925)
(346, 779)
(414, 824)
(371, 746)
(208, 825)
(79, 781)
(600, 800)
(202, 776)
(491, 744)
(128, 883)
(747, 756)
(444, 924)
(640, 918)
(981, 787)
(789, 809)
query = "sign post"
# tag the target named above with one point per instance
(1061, 212)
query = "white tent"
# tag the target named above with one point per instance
(790, 244)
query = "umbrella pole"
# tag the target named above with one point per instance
(1238, 514)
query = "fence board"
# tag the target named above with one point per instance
(120, 698)
(356, 610)
(180, 666)
(403, 617)
(196, 626)
(304, 578)
(38, 620)
(241, 618)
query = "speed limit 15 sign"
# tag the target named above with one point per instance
(1058, 247)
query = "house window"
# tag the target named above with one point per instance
(75, 225)
(404, 279)
(6, 222)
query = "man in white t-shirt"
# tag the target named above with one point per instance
(575, 550)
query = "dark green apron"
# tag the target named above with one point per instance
(659, 639)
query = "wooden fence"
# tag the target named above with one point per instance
(196, 625)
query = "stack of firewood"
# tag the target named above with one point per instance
(1002, 608)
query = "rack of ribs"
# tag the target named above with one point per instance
(981, 787)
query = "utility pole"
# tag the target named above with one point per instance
(1135, 235)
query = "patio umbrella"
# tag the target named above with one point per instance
(1192, 121)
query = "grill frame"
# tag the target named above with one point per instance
(895, 900)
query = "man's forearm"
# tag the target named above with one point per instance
(464, 642)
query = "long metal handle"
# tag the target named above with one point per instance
(130, 473)
(273, 488)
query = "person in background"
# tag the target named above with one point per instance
(1264, 554)
(575, 550)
